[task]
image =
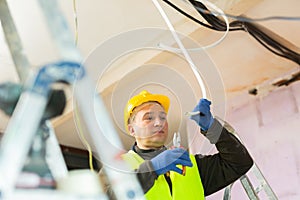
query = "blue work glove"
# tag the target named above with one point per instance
(205, 118)
(167, 161)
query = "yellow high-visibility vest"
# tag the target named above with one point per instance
(183, 187)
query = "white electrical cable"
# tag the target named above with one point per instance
(182, 48)
(207, 46)
(185, 53)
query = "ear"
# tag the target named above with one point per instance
(131, 130)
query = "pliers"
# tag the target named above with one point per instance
(177, 144)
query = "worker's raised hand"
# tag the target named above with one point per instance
(167, 161)
(204, 119)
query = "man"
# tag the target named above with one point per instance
(159, 170)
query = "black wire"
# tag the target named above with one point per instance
(281, 49)
(206, 14)
(189, 16)
(262, 42)
(253, 30)
(242, 23)
(196, 20)
(247, 19)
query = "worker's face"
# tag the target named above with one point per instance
(149, 126)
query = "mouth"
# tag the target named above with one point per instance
(159, 132)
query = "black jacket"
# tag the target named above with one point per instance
(216, 171)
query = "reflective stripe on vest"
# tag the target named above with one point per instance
(183, 187)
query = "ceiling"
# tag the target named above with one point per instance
(118, 41)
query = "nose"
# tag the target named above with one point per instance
(158, 122)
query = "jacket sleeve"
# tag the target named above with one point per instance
(229, 164)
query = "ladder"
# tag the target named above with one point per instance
(252, 191)
(26, 118)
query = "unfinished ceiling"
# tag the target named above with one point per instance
(232, 67)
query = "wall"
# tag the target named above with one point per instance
(269, 127)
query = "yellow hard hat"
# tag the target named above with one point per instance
(143, 97)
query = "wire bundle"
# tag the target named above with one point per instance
(258, 32)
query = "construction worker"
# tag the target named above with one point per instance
(159, 170)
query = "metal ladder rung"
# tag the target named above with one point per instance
(246, 183)
(263, 183)
(248, 187)
(252, 192)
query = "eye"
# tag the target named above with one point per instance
(163, 116)
(148, 117)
